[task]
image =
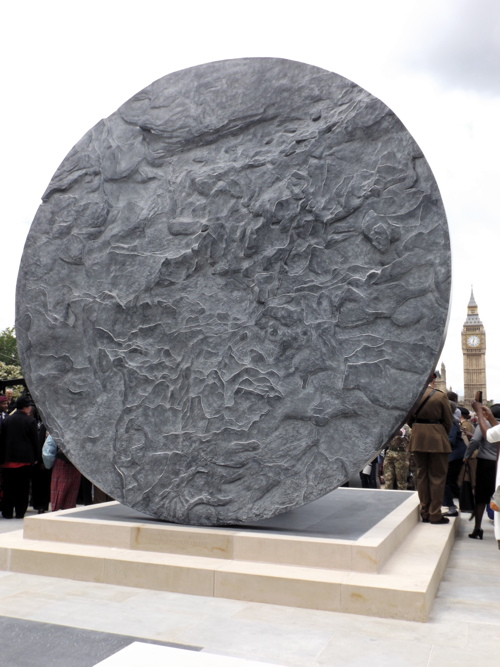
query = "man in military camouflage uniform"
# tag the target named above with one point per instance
(396, 460)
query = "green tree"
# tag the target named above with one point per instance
(8, 348)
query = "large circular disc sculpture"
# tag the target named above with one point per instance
(234, 291)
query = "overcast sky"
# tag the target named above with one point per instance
(436, 63)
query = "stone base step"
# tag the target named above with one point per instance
(404, 587)
(113, 525)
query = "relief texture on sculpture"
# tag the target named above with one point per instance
(234, 290)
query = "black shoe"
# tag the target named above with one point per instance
(448, 513)
(477, 534)
(443, 519)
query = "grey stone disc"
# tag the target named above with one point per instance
(234, 290)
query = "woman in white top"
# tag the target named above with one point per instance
(491, 434)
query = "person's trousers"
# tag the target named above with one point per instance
(452, 489)
(369, 480)
(431, 480)
(396, 465)
(40, 487)
(16, 490)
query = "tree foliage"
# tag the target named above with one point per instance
(10, 368)
(8, 348)
(12, 372)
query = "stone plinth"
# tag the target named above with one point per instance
(392, 570)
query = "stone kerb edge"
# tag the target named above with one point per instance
(374, 548)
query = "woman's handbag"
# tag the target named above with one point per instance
(49, 451)
(466, 499)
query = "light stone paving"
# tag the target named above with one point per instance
(139, 655)
(463, 628)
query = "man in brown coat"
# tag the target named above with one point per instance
(429, 443)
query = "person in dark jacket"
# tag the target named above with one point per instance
(455, 459)
(40, 476)
(11, 401)
(4, 408)
(18, 453)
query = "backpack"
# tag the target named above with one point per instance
(49, 451)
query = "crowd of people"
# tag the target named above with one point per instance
(441, 447)
(433, 453)
(441, 453)
(25, 478)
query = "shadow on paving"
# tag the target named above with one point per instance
(34, 644)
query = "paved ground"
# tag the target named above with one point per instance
(463, 630)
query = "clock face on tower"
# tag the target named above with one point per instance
(473, 341)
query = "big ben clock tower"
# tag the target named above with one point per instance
(474, 351)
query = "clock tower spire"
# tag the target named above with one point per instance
(474, 351)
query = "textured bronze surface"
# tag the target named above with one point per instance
(234, 290)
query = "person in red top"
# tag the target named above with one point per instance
(18, 452)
